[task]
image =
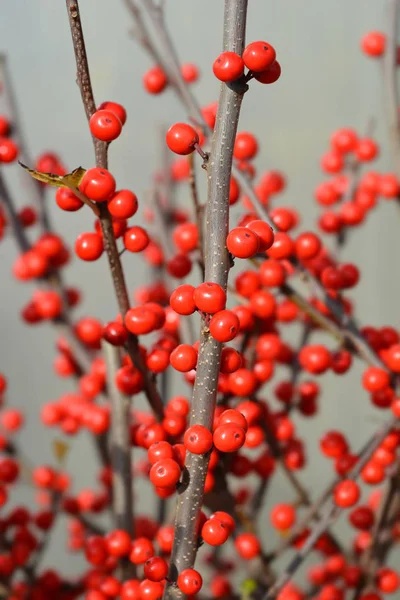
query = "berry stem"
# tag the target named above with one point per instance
(110, 245)
(216, 259)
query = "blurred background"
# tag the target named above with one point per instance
(326, 83)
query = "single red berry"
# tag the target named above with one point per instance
(198, 439)
(224, 326)
(209, 297)
(186, 237)
(5, 126)
(115, 333)
(264, 233)
(181, 138)
(344, 140)
(8, 150)
(155, 569)
(315, 359)
(375, 379)
(373, 44)
(242, 242)
(214, 532)
(282, 247)
(165, 473)
(89, 246)
(140, 320)
(228, 66)
(115, 108)
(259, 56)
(123, 204)
(366, 150)
(155, 80)
(136, 239)
(283, 516)
(387, 580)
(246, 146)
(271, 75)
(98, 184)
(67, 200)
(231, 360)
(308, 246)
(229, 437)
(142, 549)
(182, 300)
(247, 545)
(105, 125)
(118, 543)
(183, 358)
(346, 493)
(189, 582)
(189, 72)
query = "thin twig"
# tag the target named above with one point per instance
(198, 209)
(216, 257)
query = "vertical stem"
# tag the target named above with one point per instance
(216, 260)
(121, 462)
(390, 82)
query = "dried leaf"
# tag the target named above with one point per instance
(69, 180)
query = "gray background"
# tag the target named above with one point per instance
(326, 83)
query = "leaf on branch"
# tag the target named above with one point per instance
(69, 180)
(60, 450)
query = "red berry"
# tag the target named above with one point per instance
(258, 56)
(142, 549)
(155, 569)
(89, 246)
(224, 326)
(183, 358)
(375, 379)
(283, 246)
(228, 66)
(186, 237)
(366, 150)
(189, 72)
(315, 359)
(165, 473)
(198, 439)
(233, 416)
(346, 493)
(105, 125)
(118, 543)
(115, 333)
(308, 246)
(155, 80)
(209, 297)
(373, 43)
(229, 437)
(98, 184)
(264, 233)
(214, 532)
(182, 300)
(242, 242)
(140, 320)
(8, 150)
(67, 200)
(181, 138)
(123, 204)
(271, 75)
(115, 108)
(283, 516)
(136, 239)
(387, 580)
(189, 582)
(246, 146)
(247, 545)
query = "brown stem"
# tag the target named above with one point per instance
(216, 257)
(199, 210)
(110, 245)
(391, 92)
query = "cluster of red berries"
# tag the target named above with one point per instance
(155, 80)
(258, 57)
